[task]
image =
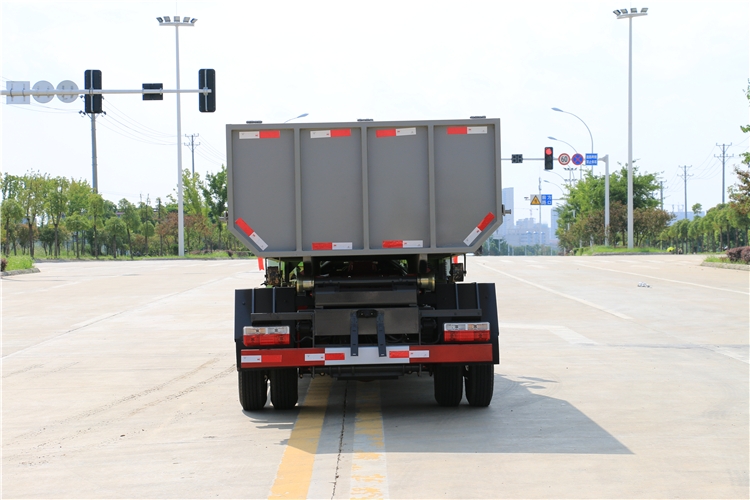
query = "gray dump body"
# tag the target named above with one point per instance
(364, 188)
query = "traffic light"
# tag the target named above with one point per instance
(207, 79)
(548, 158)
(93, 80)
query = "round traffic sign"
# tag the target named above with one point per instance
(577, 159)
(67, 85)
(564, 159)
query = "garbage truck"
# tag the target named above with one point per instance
(363, 229)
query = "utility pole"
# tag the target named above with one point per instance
(723, 165)
(661, 183)
(192, 145)
(685, 176)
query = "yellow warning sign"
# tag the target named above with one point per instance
(535, 200)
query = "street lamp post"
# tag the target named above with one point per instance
(300, 116)
(186, 21)
(587, 128)
(568, 169)
(624, 14)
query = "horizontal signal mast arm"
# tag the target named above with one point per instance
(24, 93)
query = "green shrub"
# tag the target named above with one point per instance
(15, 262)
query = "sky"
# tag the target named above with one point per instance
(386, 60)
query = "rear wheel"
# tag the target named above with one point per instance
(284, 388)
(480, 384)
(448, 385)
(253, 387)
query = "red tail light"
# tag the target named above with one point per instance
(261, 336)
(466, 332)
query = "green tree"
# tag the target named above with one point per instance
(96, 211)
(215, 194)
(32, 198)
(581, 217)
(148, 231)
(57, 206)
(77, 224)
(192, 188)
(116, 229)
(132, 220)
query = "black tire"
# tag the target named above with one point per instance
(449, 385)
(284, 388)
(253, 389)
(480, 384)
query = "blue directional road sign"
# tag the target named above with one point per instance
(591, 158)
(546, 199)
(577, 159)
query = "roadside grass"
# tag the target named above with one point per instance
(16, 262)
(723, 259)
(599, 249)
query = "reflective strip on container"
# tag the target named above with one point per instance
(395, 132)
(402, 244)
(324, 134)
(466, 130)
(261, 134)
(328, 245)
(263, 358)
(480, 227)
(252, 234)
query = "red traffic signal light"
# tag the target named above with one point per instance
(548, 158)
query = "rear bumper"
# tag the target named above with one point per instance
(368, 356)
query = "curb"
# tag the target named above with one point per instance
(20, 271)
(721, 265)
(625, 254)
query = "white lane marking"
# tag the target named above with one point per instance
(563, 332)
(665, 279)
(582, 301)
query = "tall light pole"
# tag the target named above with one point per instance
(186, 21)
(624, 14)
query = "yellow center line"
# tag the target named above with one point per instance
(296, 467)
(368, 478)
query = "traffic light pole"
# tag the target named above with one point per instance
(94, 174)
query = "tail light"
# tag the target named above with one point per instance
(258, 336)
(466, 332)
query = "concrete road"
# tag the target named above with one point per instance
(118, 381)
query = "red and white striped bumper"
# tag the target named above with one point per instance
(342, 356)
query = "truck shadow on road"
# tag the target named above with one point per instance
(519, 420)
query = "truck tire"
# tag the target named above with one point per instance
(448, 385)
(284, 388)
(480, 384)
(253, 389)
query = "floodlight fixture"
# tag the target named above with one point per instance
(616, 12)
(644, 10)
(160, 19)
(185, 19)
(192, 21)
(167, 19)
